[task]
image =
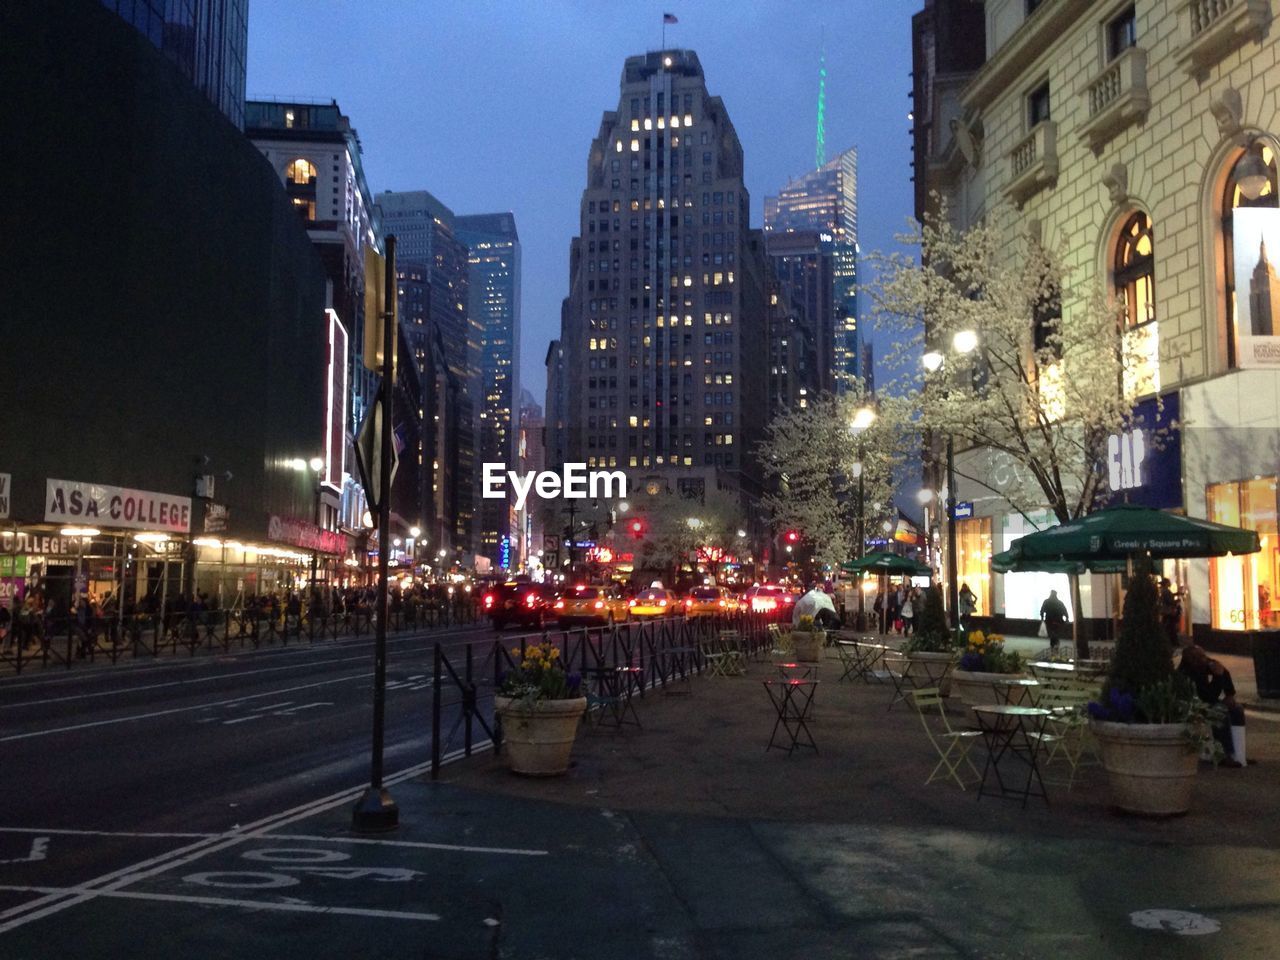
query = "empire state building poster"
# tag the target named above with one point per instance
(1256, 237)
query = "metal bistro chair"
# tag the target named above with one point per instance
(731, 645)
(1067, 736)
(951, 745)
(893, 670)
(783, 647)
(717, 662)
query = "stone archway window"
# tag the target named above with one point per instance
(1252, 183)
(300, 171)
(1134, 276)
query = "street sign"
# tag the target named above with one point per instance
(375, 305)
(964, 510)
(369, 454)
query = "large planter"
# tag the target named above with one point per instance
(807, 645)
(538, 735)
(1151, 766)
(976, 687)
(925, 669)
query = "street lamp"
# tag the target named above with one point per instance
(962, 342)
(316, 464)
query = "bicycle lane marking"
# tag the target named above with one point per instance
(56, 899)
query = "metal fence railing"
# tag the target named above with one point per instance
(68, 641)
(466, 676)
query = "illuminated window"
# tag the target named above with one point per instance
(300, 172)
(973, 560)
(1245, 590)
(635, 146)
(306, 207)
(1134, 276)
(1251, 189)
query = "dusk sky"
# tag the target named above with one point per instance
(493, 105)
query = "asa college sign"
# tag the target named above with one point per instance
(69, 501)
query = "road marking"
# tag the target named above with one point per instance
(166, 713)
(410, 844)
(79, 894)
(252, 716)
(242, 880)
(298, 855)
(445, 637)
(39, 850)
(108, 833)
(1181, 922)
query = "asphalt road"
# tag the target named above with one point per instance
(161, 750)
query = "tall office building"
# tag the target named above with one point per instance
(427, 242)
(206, 39)
(802, 329)
(824, 203)
(315, 152)
(531, 456)
(663, 372)
(493, 261)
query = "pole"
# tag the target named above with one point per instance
(952, 573)
(862, 539)
(376, 811)
(315, 551)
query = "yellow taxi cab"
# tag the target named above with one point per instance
(655, 602)
(709, 602)
(589, 603)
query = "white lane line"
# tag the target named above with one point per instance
(39, 850)
(167, 713)
(252, 716)
(291, 907)
(305, 706)
(411, 844)
(446, 637)
(107, 833)
(53, 903)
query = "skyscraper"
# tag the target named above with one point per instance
(1264, 296)
(824, 203)
(493, 262)
(664, 375)
(206, 39)
(426, 240)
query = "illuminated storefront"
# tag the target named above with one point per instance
(1245, 591)
(973, 560)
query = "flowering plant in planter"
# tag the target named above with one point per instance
(541, 675)
(985, 653)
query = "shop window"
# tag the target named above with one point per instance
(1244, 591)
(1251, 185)
(973, 560)
(1134, 278)
(300, 172)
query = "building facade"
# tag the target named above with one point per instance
(1141, 139)
(443, 327)
(660, 373)
(802, 331)
(531, 457)
(316, 153)
(822, 206)
(493, 260)
(207, 40)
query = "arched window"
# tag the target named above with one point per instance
(301, 172)
(1135, 270)
(1251, 185)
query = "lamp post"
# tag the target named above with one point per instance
(316, 464)
(962, 343)
(863, 418)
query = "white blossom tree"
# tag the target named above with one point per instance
(1026, 370)
(812, 459)
(676, 527)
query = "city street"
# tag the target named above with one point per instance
(108, 766)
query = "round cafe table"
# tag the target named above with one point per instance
(1017, 732)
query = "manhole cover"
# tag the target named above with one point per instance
(1181, 922)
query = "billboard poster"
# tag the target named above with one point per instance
(1256, 240)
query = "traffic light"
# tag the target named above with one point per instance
(793, 536)
(637, 528)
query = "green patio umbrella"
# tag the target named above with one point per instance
(1010, 562)
(882, 561)
(1118, 532)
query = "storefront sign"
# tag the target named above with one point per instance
(216, 516)
(1143, 465)
(34, 544)
(6, 484)
(69, 501)
(13, 566)
(11, 590)
(300, 533)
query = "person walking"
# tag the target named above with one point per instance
(1170, 612)
(968, 602)
(1054, 614)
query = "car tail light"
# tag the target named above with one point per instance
(559, 605)
(722, 603)
(531, 600)
(488, 599)
(662, 603)
(689, 602)
(599, 604)
(631, 603)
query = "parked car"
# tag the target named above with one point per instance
(589, 603)
(517, 601)
(771, 599)
(655, 602)
(710, 602)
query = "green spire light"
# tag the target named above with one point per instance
(821, 153)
